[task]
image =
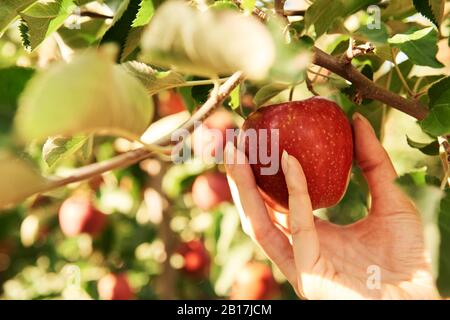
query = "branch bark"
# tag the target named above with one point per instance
(367, 88)
(279, 7)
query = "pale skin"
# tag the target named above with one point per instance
(380, 257)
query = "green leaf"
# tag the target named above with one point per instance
(248, 5)
(438, 120)
(268, 92)
(121, 25)
(88, 33)
(351, 208)
(44, 18)
(144, 14)
(10, 10)
(201, 93)
(12, 83)
(24, 35)
(224, 5)
(420, 46)
(57, 148)
(398, 10)
(19, 179)
(443, 280)
(131, 43)
(235, 98)
(88, 95)
(433, 10)
(189, 101)
(321, 14)
(152, 79)
(412, 181)
(133, 37)
(207, 43)
(293, 55)
(377, 36)
(431, 148)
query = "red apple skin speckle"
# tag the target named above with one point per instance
(317, 133)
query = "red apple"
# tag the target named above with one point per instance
(170, 102)
(317, 133)
(78, 215)
(254, 282)
(196, 258)
(211, 135)
(210, 189)
(115, 287)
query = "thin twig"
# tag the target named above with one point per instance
(318, 74)
(291, 93)
(310, 86)
(400, 75)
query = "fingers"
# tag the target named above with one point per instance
(254, 215)
(376, 167)
(304, 235)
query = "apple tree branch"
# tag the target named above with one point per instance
(134, 156)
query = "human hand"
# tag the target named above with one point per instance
(326, 261)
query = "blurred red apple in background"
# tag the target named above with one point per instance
(170, 102)
(210, 189)
(78, 215)
(211, 135)
(254, 282)
(196, 258)
(317, 133)
(114, 287)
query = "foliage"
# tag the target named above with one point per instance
(83, 84)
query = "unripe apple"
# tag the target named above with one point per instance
(211, 135)
(317, 133)
(78, 215)
(170, 102)
(209, 190)
(196, 258)
(114, 287)
(254, 282)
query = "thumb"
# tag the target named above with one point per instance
(376, 167)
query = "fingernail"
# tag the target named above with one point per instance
(285, 162)
(359, 116)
